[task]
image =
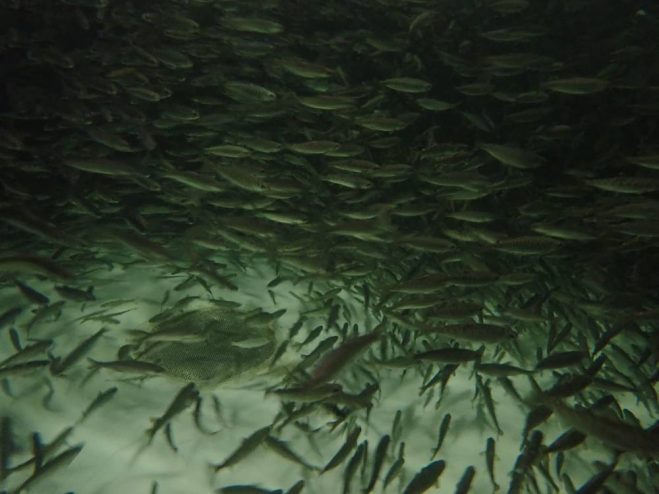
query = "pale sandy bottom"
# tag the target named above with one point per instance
(109, 463)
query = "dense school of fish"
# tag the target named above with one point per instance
(480, 177)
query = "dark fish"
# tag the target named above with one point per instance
(338, 358)
(396, 467)
(464, 484)
(35, 265)
(344, 450)
(477, 332)
(61, 365)
(449, 355)
(8, 316)
(100, 400)
(248, 445)
(498, 370)
(490, 456)
(27, 352)
(31, 294)
(594, 484)
(425, 478)
(183, 399)
(24, 367)
(49, 468)
(282, 449)
(568, 440)
(296, 488)
(130, 366)
(486, 393)
(246, 489)
(378, 461)
(352, 466)
(560, 359)
(7, 446)
(443, 429)
(75, 294)
(534, 418)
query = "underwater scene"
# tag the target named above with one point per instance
(352, 246)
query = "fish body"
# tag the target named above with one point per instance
(615, 433)
(183, 399)
(425, 478)
(27, 352)
(101, 399)
(31, 294)
(490, 456)
(246, 447)
(129, 366)
(49, 468)
(283, 450)
(344, 450)
(378, 461)
(449, 355)
(443, 429)
(476, 332)
(338, 358)
(75, 294)
(60, 365)
(352, 466)
(464, 484)
(560, 359)
(8, 316)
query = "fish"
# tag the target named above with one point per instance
(282, 449)
(536, 416)
(49, 468)
(246, 489)
(425, 478)
(296, 488)
(596, 482)
(60, 365)
(571, 438)
(560, 359)
(129, 366)
(252, 24)
(183, 399)
(34, 265)
(7, 446)
(490, 456)
(500, 369)
(75, 294)
(104, 166)
(473, 172)
(308, 394)
(24, 367)
(451, 355)
(617, 434)
(101, 399)
(407, 85)
(334, 361)
(344, 450)
(27, 352)
(352, 466)
(31, 294)
(396, 467)
(476, 332)
(9, 316)
(246, 447)
(464, 484)
(378, 461)
(625, 185)
(443, 430)
(576, 85)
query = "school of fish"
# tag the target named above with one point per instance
(443, 186)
